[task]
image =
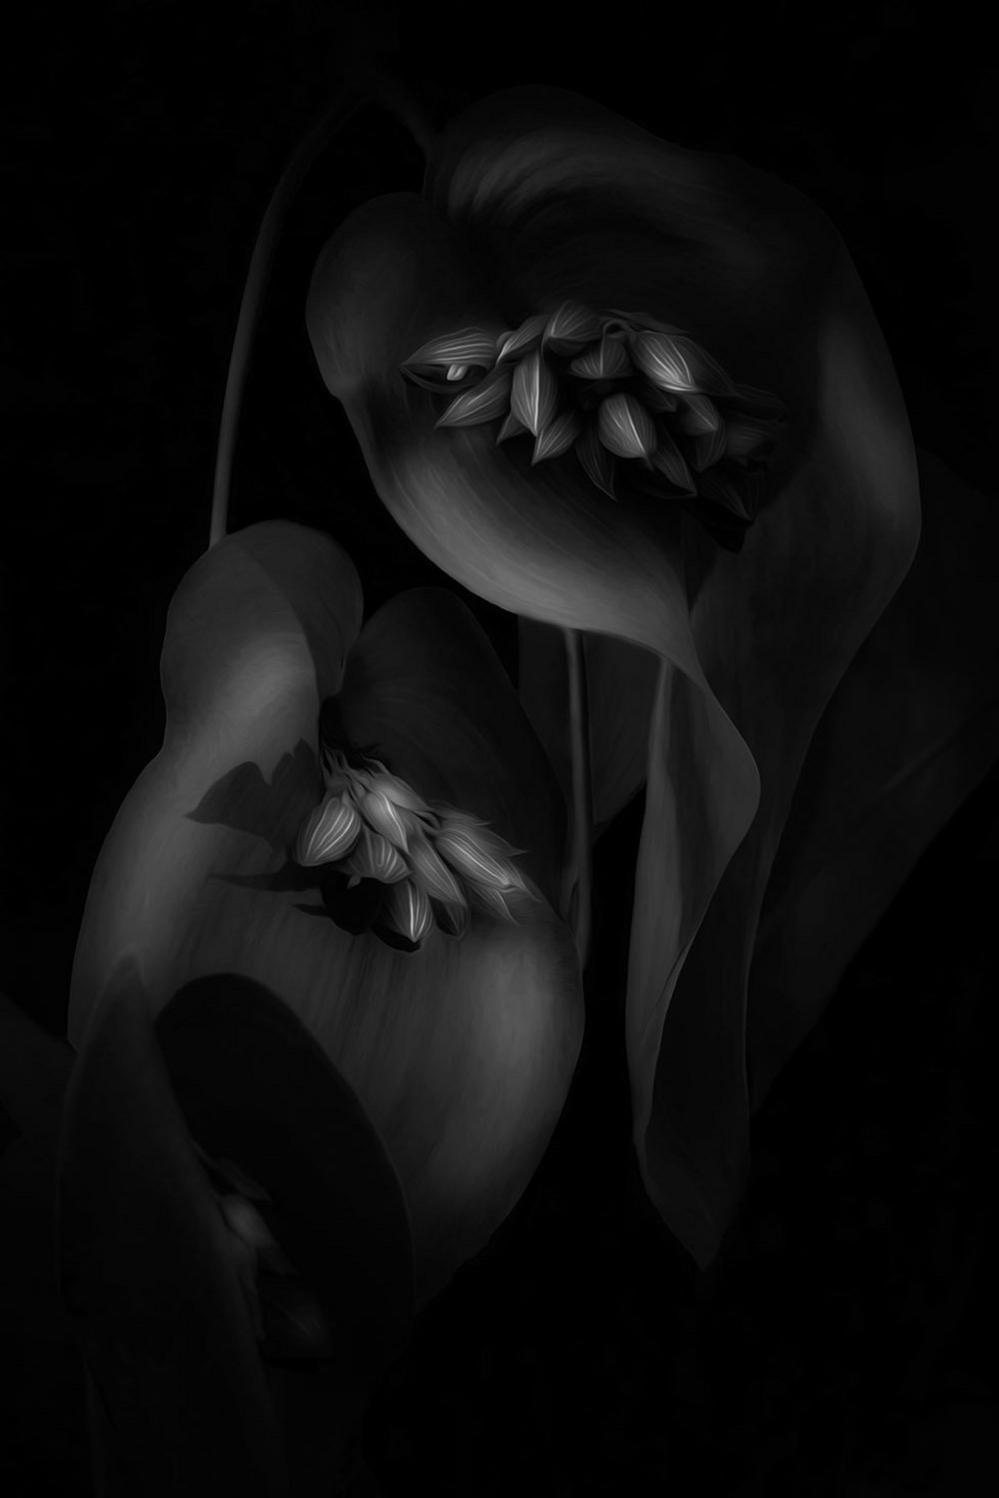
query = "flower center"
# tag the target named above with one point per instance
(645, 408)
(391, 862)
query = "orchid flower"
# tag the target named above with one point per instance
(638, 392)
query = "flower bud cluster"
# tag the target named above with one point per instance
(391, 862)
(637, 401)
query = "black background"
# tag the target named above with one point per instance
(844, 1341)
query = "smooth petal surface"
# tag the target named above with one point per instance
(532, 181)
(909, 733)
(461, 1053)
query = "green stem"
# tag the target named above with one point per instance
(582, 793)
(368, 85)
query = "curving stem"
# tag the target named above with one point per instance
(580, 872)
(368, 85)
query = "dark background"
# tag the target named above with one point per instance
(844, 1343)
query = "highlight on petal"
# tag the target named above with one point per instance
(375, 858)
(606, 361)
(512, 427)
(625, 427)
(328, 832)
(433, 361)
(707, 448)
(510, 346)
(432, 874)
(384, 817)
(557, 437)
(474, 854)
(697, 415)
(408, 911)
(484, 402)
(534, 394)
(668, 460)
(570, 328)
(597, 462)
(661, 359)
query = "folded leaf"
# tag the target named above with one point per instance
(461, 1053)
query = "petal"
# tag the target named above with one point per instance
(425, 685)
(669, 461)
(605, 361)
(192, 878)
(465, 346)
(625, 427)
(911, 731)
(432, 874)
(557, 437)
(535, 182)
(597, 462)
(328, 832)
(410, 912)
(484, 402)
(383, 815)
(375, 858)
(510, 346)
(570, 328)
(534, 394)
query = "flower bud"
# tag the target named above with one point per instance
(375, 858)
(329, 832)
(409, 911)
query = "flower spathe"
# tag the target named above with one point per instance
(372, 826)
(640, 403)
(540, 204)
(460, 1053)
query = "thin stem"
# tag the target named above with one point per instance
(582, 793)
(369, 84)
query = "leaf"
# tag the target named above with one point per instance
(911, 730)
(461, 1054)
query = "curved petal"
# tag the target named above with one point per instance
(461, 1053)
(425, 688)
(533, 181)
(910, 732)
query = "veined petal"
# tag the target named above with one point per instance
(625, 427)
(534, 394)
(384, 817)
(670, 462)
(375, 858)
(328, 832)
(605, 361)
(483, 402)
(598, 463)
(557, 437)
(469, 854)
(465, 346)
(461, 1057)
(707, 448)
(749, 436)
(510, 346)
(512, 427)
(409, 910)
(697, 414)
(570, 328)
(432, 874)
(662, 359)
